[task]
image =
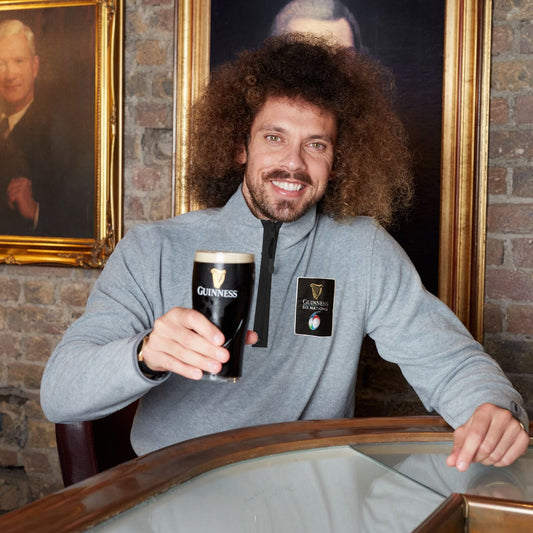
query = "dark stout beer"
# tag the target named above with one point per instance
(222, 285)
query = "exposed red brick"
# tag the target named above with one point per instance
(524, 109)
(151, 53)
(135, 208)
(523, 182)
(41, 434)
(513, 10)
(493, 318)
(25, 375)
(145, 179)
(39, 347)
(154, 115)
(37, 320)
(526, 39)
(510, 218)
(11, 289)
(510, 145)
(156, 2)
(163, 19)
(39, 292)
(9, 458)
(499, 111)
(512, 75)
(494, 252)
(509, 284)
(502, 39)
(74, 294)
(520, 319)
(37, 461)
(522, 252)
(497, 180)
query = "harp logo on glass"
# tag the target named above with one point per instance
(218, 276)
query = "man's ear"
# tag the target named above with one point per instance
(242, 156)
(332, 175)
(35, 66)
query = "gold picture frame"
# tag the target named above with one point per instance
(464, 140)
(79, 45)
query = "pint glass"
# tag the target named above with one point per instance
(222, 286)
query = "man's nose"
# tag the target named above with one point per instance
(293, 159)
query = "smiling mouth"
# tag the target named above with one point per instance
(289, 186)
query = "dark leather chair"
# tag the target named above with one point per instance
(86, 448)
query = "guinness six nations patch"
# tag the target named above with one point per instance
(314, 307)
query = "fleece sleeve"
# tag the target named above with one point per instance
(93, 371)
(448, 369)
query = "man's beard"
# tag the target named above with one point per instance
(282, 210)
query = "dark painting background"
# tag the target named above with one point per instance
(408, 37)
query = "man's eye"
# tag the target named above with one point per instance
(273, 138)
(317, 146)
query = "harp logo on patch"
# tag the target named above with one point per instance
(314, 307)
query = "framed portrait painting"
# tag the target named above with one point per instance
(439, 54)
(60, 131)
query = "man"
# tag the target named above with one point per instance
(46, 169)
(328, 18)
(298, 154)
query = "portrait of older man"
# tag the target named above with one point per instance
(46, 165)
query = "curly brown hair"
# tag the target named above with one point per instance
(371, 163)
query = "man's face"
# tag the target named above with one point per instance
(288, 159)
(18, 70)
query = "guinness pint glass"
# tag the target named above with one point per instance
(222, 286)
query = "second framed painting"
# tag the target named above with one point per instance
(439, 54)
(60, 131)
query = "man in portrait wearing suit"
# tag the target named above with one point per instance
(46, 171)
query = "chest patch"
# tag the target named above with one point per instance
(314, 307)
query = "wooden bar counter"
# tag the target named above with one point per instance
(380, 474)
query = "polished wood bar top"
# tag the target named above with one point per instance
(110, 493)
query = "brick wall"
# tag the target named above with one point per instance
(38, 303)
(509, 271)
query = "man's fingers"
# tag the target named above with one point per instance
(468, 440)
(185, 342)
(518, 442)
(491, 436)
(177, 366)
(190, 341)
(251, 337)
(194, 320)
(451, 460)
(161, 353)
(471, 450)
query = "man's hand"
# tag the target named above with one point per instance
(20, 197)
(491, 436)
(185, 342)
